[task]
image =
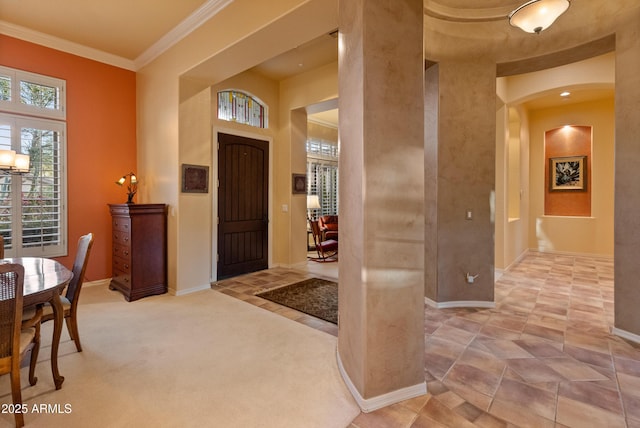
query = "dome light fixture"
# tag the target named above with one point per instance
(537, 15)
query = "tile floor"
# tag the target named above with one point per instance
(543, 357)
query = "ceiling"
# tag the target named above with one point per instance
(124, 28)
(131, 29)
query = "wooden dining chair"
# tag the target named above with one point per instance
(15, 342)
(72, 294)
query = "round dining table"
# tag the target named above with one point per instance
(44, 280)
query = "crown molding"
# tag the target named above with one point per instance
(179, 32)
(63, 45)
(322, 122)
(182, 30)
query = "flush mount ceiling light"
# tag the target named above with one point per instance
(537, 15)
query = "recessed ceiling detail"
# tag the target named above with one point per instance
(456, 11)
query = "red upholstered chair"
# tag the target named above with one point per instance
(327, 249)
(329, 226)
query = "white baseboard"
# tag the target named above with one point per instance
(626, 335)
(459, 304)
(107, 281)
(516, 261)
(103, 282)
(370, 404)
(173, 292)
(571, 253)
(298, 266)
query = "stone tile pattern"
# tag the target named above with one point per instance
(245, 287)
(543, 357)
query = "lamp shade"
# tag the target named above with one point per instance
(22, 162)
(537, 15)
(7, 159)
(313, 202)
(132, 188)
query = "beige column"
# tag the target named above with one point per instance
(460, 145)
(381, 297)
(627, 178)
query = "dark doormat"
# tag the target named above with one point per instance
(315, 296)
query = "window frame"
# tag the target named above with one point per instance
(18, 116)
(232, 106)
(15, 106)
(323, 156)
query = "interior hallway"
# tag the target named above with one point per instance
(543, 357)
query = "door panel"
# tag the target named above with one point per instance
(243, 174)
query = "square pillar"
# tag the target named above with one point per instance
(381, 273)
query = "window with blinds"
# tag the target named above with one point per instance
(32, 94)
(236, 106)
(322, 176)
(33, 204)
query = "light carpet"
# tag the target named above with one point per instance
(203, 359)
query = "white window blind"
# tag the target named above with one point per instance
(33, 205)
(322, 176)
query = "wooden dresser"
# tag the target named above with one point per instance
(139, 249)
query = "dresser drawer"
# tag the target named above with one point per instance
(121, 238)
(121, 265)
(122, 279)
(122, 251)
(122, 224)
(139, 249)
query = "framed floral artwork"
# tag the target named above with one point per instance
(568, 173)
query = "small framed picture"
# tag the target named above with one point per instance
(568, 173)
(299, 183)
(195, 178)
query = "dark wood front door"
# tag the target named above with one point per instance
(243, 195)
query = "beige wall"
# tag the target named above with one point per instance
(531, 229)
(322, 132)
(460, 150)
(266, 90)
(225, 46)
(194, 245)
(234, 41)
(511, 200)
(627, 178)
(583, 235)
(296, 93)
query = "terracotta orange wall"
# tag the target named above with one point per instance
(101, 139)
(561, 142)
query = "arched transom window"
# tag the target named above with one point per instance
(236, 106)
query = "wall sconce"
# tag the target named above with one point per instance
(132, 188)
(537, 15)
(313, 203)
(14, 163)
